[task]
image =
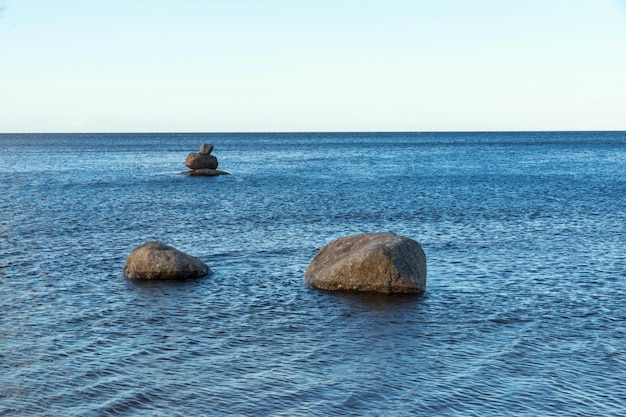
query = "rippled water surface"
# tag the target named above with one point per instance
(524, 312)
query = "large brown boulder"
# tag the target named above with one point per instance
(379, 262)
(201, 161)
(155, 260)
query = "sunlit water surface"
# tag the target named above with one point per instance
(524, 312)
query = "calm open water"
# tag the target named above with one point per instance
(524, 313)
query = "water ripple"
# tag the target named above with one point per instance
(523, 314)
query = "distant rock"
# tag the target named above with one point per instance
(155, 260)
(378, 262)
(200, 161)
(203, 164)
(206, 148)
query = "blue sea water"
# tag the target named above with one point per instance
(524, 312)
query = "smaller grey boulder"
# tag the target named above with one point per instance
(156, 260)
(206, 149)
(377, 262)
(200, 161)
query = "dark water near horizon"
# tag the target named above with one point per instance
(524, 312)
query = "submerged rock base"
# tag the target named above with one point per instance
(205, 172)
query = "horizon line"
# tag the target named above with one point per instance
(312, 131)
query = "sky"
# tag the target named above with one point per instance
(312, 65)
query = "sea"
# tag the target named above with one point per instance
(524, 312)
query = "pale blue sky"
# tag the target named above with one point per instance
(318, 65)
